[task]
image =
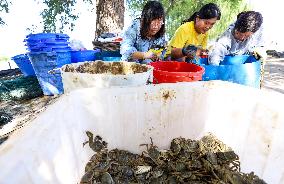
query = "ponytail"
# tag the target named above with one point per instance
(191, 18)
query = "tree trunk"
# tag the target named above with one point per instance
(110, 16)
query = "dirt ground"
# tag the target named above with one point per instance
(22, 112)
(274, 75)
(25, 111)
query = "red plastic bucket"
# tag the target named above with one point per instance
(172, 72)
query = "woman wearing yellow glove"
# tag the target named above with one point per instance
(190, 39)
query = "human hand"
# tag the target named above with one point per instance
(259, 53)
(189, 51)
(150, 55)
(202, 52)
(192, 51)
(256, 55)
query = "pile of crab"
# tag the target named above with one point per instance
(207, 160)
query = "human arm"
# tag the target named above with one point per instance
(220, 49)
(129, 38)
(128, 48)
(176, 44)
(144, 55)
(184, 45)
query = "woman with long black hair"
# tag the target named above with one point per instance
(190, 39)
(144, 34)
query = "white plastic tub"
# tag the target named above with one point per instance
(72, 81)
(50, 150)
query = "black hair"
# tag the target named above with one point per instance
(151, 11)
(207, 11)
(248, 21)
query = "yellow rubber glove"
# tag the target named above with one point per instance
(260, 53)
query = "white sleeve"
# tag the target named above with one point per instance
(220, 49)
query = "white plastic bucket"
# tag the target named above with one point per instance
(72, 80)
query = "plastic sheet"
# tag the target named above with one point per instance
(50, 150)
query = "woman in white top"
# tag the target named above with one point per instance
(245, 36)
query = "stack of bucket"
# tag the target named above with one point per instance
(49, 51)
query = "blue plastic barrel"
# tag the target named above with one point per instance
(246, 74)
(24, 64)
(84, 55)
(43, 63)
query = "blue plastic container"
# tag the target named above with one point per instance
(43, 63)
(234, 60)
(108, 55)
(84, 55)
(24, 64)
(246, 74)
(111, 58)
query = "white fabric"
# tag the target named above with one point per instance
(50, 150)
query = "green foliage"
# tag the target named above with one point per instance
(4, 7)
(56, 16)
(4, 58)
(59, 12)
(179, 10)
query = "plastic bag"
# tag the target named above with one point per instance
(77, 45)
